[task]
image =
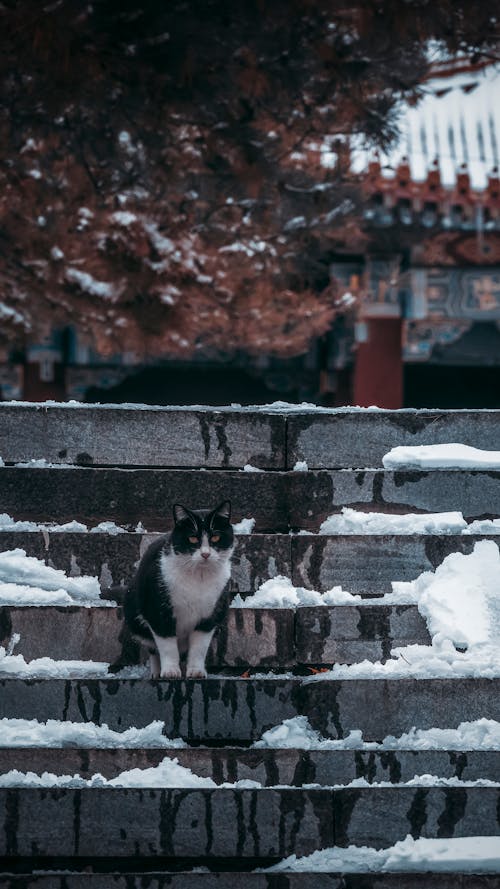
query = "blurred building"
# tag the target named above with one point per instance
(421, 288)
(427, 326)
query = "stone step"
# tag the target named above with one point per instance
(381, 707)
(273, 638)
(132, 436)
(252, 637)
(129, 496)
(238, 710)
(313, 496)
(113, 558)
(229, 823)
(345, 438)
(279, 501)
(161, 879)
(313, 561)
(174, 822)
(117, 435)
(368, 563)
(270, 767)
(216, 709)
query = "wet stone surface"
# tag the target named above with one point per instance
(346, 634)
(126, 437)
(168, 822)
(381, 816)
(207, 710)
(129, 496)
(171, 880)
(113, 558)
(369, 563)
(474, 493)
(381, 707)
(270, 767)
(361, 439)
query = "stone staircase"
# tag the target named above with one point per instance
(128, 465)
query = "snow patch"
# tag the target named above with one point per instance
(352, 521)
(25, 580)
(455, 854)
(53, 733)
(15, 666)
(441, 456)
(89, 284)
(481, 734)
(279, 592)
(246, 526)
(169, 773)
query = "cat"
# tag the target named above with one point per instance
(179, 594)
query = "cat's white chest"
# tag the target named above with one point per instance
(193, 593)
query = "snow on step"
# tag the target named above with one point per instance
(270, 767)
(346, 438)
(274, 499)
(240, 710)
(441, 456)
(353, 521)
(265, 638)
(476, 854)
(292, 753)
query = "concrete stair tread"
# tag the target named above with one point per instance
(232, 879)
(230, 822)
(269, 638)
(307, 800)
(314, 561)
(275, 499)
(225, 436)
(238, 710)
(271, 767)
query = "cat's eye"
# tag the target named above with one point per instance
(215, 538)
(193, 539)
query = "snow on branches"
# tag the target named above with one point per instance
(174, 177)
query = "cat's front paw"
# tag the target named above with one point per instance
(196, 673)
(171, 673)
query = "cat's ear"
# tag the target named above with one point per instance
(181, 513)
(223, 510)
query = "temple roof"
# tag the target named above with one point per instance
(453, 131)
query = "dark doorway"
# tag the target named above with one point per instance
(451, 386)
(197, 384)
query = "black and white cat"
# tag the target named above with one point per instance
(179, 594)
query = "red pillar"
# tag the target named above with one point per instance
(378, 373)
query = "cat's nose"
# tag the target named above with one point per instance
(206, 555)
